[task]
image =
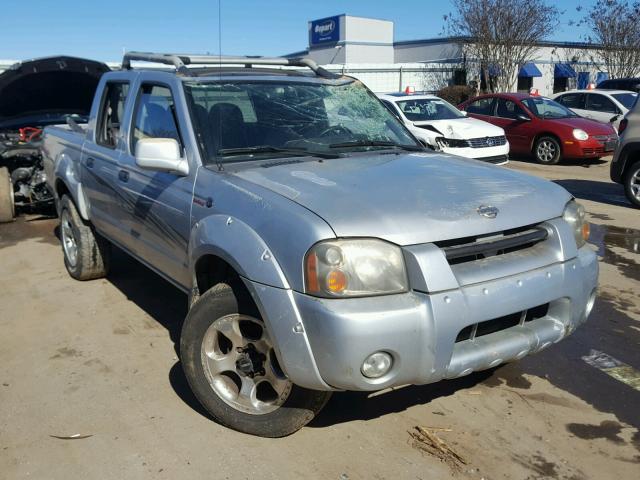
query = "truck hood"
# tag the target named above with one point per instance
(42, 92)
(410, 198)
(463, 128)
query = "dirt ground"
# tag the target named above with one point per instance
(99, 358)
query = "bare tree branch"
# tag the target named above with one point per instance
(614, 30)
(501, 34)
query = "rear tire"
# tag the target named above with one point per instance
(86, 254)
(7, 205)
(547, 150)
(631, 184)
(221, 328)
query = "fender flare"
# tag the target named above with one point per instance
(239, 245)
(66, 171)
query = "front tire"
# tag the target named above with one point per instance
(231, 366)
(86, 254)
(632, 184)
(547, 150)
(7, 205)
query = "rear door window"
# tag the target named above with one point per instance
(155, 115)
(110, 113)
(600, 103)
(482, 106)
(509, 109)
(572, 100)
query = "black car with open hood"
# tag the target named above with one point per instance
(34, 94)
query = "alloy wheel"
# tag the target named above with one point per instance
(546, 150)
(69, 243)
(634, 184)
(241, 366)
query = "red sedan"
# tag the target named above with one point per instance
(539, 126)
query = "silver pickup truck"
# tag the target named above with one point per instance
(321, 247)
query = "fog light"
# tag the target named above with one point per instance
(376, 365)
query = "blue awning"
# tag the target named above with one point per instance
(529, 70)
(564, 70)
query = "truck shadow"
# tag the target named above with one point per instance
(161, 301)
(602, 192)
(349, 406)
(566, 162)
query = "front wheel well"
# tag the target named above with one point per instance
(545, 134)
(61, 188)
(211, 270)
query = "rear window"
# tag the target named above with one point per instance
(483, 106)
(572, 100)
(626, 99)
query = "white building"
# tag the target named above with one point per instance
(365, 48)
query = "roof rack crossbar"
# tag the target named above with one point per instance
(180, 61)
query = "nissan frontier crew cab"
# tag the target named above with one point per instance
(322, 248)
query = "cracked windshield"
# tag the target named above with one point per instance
(264, 120)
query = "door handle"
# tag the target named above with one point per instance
(123, 175)
(90, 162)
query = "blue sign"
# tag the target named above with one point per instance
(325, 30)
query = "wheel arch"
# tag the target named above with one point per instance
(67, 180)
(226, 244)
(629, 155)
(545, 134)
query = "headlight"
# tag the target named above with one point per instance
(580, 134)
(574, 214)
(353, 268)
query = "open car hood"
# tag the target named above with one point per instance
(41, 92)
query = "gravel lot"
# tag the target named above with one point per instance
(99, 358)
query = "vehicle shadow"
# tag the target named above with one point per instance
(566, 162)
(349, 406)
(602, 192)
(161, 300)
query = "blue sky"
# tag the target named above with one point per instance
(101, 29)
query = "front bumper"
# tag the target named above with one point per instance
(590, 148)
(332, 337)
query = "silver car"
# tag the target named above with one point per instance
(321, 246)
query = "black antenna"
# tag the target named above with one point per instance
(219, 119)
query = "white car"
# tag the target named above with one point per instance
(441, 126)
(606, 106)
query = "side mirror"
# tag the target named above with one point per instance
(614, 118)
(523, 118)
(464, 112)
(161, 154)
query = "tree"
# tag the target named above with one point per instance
(614, 29)
(501, 35)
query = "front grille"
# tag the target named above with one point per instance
(470, 249)
(502, 323)
(593, 151)
(472, 142)
(487, 142)
(605, 138)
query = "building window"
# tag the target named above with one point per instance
(525, 84)
(560, 84)
(460, 77)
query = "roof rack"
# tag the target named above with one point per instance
(180, 61)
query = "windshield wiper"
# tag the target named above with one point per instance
(228, 152)
(375, 143)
